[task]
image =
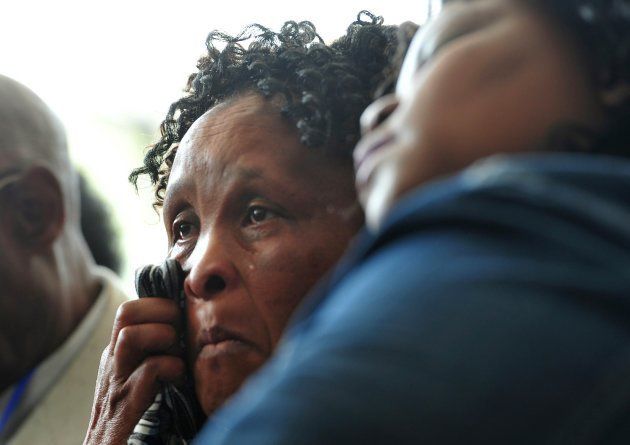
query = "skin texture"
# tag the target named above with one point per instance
(46, 270)
(471, 85)
(255, 218)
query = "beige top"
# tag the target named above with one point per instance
(56, 406)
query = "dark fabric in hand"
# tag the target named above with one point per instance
(175, 415)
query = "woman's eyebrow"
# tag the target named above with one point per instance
(463, 20)
(249, 173)
(171, 200)
(257, 177)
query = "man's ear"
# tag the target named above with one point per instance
(36, 208)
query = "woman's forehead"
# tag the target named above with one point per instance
(249, 135)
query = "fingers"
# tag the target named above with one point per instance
(144, 352)
(146, 380)
(145, 310)
(137, 342)
(119, 405)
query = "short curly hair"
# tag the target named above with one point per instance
(600, 30)
(324, 88)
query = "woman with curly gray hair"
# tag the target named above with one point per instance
(253, 172)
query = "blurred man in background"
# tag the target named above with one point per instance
(56, 305)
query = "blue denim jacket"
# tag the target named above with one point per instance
(492, 307)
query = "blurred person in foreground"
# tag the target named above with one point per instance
(489, 303)
(255, 180)
(56, 305)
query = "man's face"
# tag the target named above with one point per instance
(10, 251)
(256, 219)
(18, 294)
(483, 77)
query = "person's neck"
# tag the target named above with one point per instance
(78, 288)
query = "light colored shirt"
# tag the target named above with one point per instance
(55, 407)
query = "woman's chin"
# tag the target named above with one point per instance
(218, 375)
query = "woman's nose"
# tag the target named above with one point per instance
(377, 112)
(212, 271)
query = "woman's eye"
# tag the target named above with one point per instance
(183, 230)
(257, 215)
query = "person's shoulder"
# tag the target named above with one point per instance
(113, 287)
(113, 293)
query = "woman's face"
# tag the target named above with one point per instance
(256, 219)
(483, 77)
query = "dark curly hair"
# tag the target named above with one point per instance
(601, 32)
(323, 88)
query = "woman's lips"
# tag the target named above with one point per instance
(229, 347)
(220, 339)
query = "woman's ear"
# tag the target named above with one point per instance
(35, 209)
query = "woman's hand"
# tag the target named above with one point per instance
(143, 352)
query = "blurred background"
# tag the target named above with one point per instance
(111, 69)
